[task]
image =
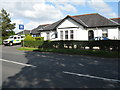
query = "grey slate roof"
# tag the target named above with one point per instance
(94, 20)
(40, 27)
(116, 20)
(86, 20)
(52, 26)
(25, 32)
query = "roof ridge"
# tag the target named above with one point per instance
(84, 14)
(115, 18)
(45, 24)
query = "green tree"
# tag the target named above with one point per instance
(5, 24)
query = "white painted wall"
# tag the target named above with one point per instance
(52, 35)
(79, 32)
(118, 33)
(113, 33)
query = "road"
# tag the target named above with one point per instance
(27, 69)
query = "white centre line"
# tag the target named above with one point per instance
(89, 76)
(17, 63)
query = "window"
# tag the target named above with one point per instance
(48, 36)
(66, 34)
(22, 36)
(18, 37)
(104, 33)
(71, 34)
(61, 35)
(56, 35)
(11, 37)
(15, 37)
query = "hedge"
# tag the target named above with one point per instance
(35, 42)
(108, 45)
(103, 44)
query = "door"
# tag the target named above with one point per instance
(90, 34)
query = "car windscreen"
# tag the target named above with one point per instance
(10, 37)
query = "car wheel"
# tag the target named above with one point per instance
(11, 44)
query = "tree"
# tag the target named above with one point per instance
(5, 24)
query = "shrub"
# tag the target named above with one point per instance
(29, 38)
(35, 42)
(103, 44)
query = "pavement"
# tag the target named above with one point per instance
(27, 69)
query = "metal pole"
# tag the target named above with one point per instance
(23, 39)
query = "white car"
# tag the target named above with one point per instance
(15, 39)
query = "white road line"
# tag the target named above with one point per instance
(89, 76)
(17, 63)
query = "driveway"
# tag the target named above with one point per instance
(26, 69)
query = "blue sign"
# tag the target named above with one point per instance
(21, 27)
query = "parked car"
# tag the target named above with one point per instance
(100, 38)
(15, 39)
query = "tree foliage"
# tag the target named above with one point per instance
(6, 27)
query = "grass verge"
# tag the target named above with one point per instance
(27, 49)
(96, 53)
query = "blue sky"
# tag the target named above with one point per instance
(32, 13)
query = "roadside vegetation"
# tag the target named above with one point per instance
(6, 27)
(38, 44)
(95, 53)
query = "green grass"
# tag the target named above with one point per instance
(27, 49)
(96, 53)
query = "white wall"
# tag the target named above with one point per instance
(52, 35)
(79, 32)
(113, 33)
(118, 33)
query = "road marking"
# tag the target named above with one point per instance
(18, 63)
(89, 76)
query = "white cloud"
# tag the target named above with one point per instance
(17, 21)
(102, 7)
(31, 25)
(67, 7)
(35, 12)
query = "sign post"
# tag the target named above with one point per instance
(21, 27)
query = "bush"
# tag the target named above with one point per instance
(35, 42)
(29, 38)
(103, 44)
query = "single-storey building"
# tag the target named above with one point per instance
(36, 31)
(25, 32)
(82, 27)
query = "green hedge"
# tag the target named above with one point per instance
(35, 42)
(103, 44)
(38, 42)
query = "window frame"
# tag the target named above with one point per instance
(66, 35)
(71, 34)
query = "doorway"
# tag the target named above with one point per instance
(90, 34)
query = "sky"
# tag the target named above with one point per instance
(33, 13)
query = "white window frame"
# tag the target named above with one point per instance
(66, 34)
(105, 31)
(71, 34)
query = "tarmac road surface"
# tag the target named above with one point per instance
(27, 69)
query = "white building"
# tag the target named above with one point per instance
(82, 27)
